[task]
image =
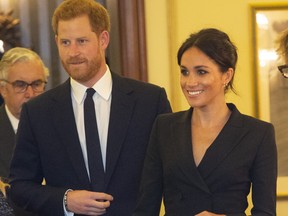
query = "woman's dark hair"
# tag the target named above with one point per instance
(215, 44)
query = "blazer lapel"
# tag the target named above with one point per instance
(121, 111)
(180, 131)
(7, 141)
(227, 140)
(64, 122)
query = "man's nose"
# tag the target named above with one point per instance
(29, 92)
(73, 50)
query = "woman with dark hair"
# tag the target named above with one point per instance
(204, 160)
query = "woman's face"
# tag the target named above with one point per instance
(201, 80)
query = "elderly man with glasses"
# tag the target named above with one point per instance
(283, 52)
(22, 77)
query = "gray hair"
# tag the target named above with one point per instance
(15, 55)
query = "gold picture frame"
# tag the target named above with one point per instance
(271, 87)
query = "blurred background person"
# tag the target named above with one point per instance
(5, 208)
(283, 52)
(1, 99)
(23, 76)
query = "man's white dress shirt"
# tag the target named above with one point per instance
(102, 101)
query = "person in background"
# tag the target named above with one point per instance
(5, 208)
(23, 76)
(283, 52)
(204, 160)
(1, 98)
(54, 135)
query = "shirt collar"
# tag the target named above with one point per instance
(103, 87)
(14, 121)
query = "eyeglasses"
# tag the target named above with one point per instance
(284, 70)
(21, 86)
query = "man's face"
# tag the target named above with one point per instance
(81, 51)
(21, 71)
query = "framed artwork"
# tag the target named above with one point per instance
(271, 86)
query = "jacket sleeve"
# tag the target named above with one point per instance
(264, 175)
(164, 104)
(26, 175)
(151, 188)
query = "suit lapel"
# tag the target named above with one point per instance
(7, 141)
(121, 111)
(227, 140)
(64, 120)
(182, 142)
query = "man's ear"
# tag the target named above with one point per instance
(3, 92)
(104, 39)
(56, 39)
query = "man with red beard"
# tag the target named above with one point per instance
(53, 133)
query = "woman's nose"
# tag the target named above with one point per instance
(192, 80)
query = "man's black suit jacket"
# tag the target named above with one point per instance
(48, 147)
(7, 142)
(1, 100)
(7, 145)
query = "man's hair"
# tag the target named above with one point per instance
(15, 55)
(70, 9)
(282, 42)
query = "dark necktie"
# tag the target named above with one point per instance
(95, 162)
